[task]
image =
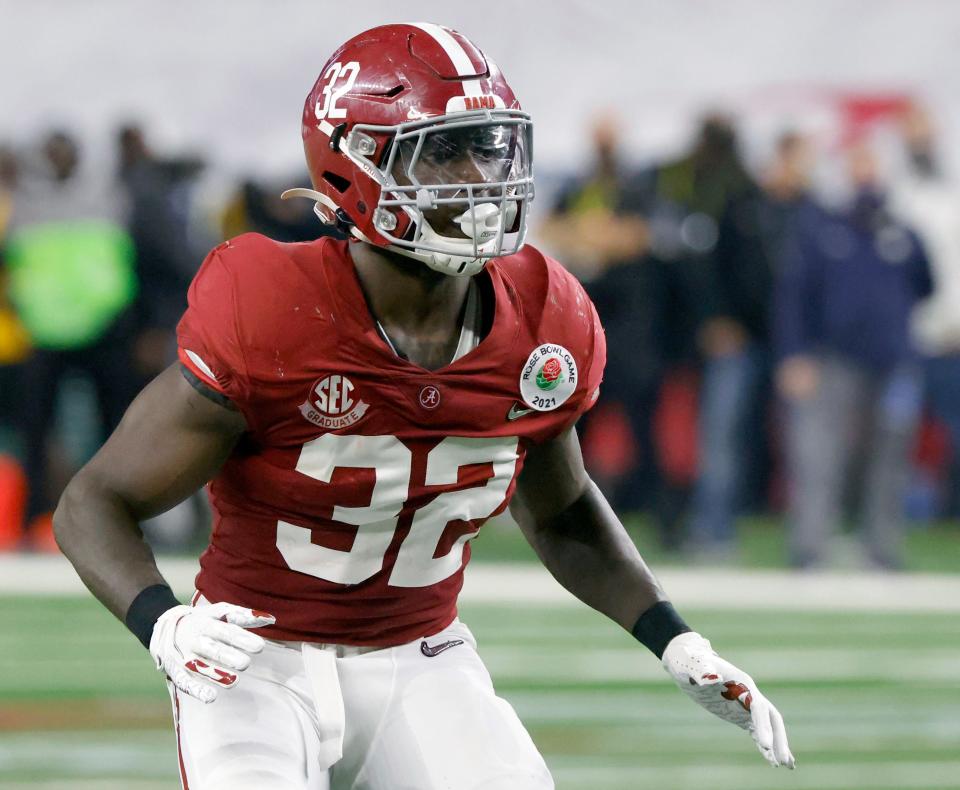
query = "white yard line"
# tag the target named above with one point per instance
(532, 585)
(742, 589)
(521, 663)
(93, 784)
(874, 775)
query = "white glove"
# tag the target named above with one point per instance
(202, 648)
(727, 692)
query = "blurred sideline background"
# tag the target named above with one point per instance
(763, 200)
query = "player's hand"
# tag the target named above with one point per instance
(727, 692)
(203, 648)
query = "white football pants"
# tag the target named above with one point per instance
(332, 717)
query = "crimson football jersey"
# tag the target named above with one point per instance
(347, 507)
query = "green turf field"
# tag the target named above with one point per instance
(871, 700)
(761, 543)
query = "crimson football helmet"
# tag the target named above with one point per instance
(416, 143)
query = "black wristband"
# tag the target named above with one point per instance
(150, 603)
(657, 626)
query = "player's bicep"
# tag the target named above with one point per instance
(171, 441)
(553, 478)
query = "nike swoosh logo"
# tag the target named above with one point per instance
(436, 650)
(516, 414)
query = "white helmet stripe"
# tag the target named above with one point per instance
(456, 53)
(325, 127)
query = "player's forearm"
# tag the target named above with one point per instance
(589, 552)
(100, 535)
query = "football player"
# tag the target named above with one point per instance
(362, 408)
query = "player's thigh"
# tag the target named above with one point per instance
(441, 725)
(259, 734)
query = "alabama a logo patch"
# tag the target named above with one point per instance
(548, 378)
(333, 404)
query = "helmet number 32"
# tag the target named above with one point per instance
(376, 523)
(326, 107)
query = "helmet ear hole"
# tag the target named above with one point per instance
(344, 222)
(339, 183)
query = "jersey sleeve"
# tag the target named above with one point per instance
(208, 335)
(586, 340)
(595, 367)
(588, 391)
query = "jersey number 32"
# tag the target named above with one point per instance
(376, 523)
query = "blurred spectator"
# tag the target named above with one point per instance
(735, 342)
(597, 229)
(158, 193)
(930, 203)
(14, 344)
(705, 179)
(692, 196)
(628, 303)
(849, 372)
(786, 187)
(597, 221)
(14, 349)
(71, 282)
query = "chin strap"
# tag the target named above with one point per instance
(325, 209)
(320, 200)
